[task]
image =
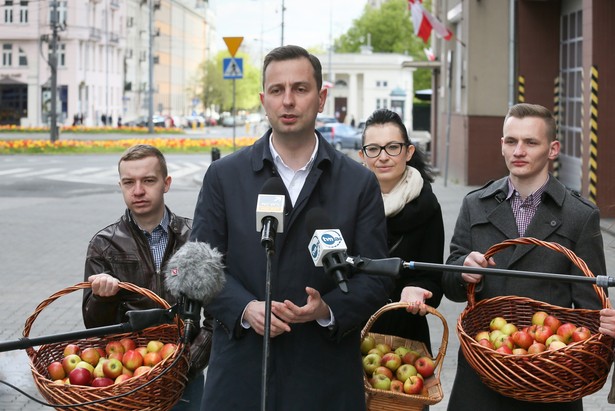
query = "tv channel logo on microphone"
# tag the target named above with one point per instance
(324, 242)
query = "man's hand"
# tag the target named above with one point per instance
(314, 309)
(476, 259)
(254, 314)
(415, 297)
(607, 322)
(104, 285)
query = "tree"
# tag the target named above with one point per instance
(219, 92)
(390, 30)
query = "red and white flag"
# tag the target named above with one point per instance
(424, 22)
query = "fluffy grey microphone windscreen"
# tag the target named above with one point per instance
(196, 271)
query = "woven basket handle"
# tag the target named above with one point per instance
(395, 306)
(553, 246)
(80, 286)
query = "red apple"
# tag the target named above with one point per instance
(153, 358)
(536, 348)
(397, 386)
(391, 360)
(384, 370)
(486, 343)
(142, 370)
(542, 333)
(370, 363)
(519, 351)
(504, 349)
(539, 318)
(531, 330)
(154, 346)
(101, 352)
(552, 322)
(90, 355)
(70, 362)
(116, 356)
(425, 366)
(522, 339)
(132, 360)
(80, 376)
(167, 350)
(497, 323)
(112, 368)
(127, 371)
(114, 347)
(381, 382)
(102, 382)
(141, 350)
(128, 344)
(581, 334)
(565, 331)
(413, 385)
(122, 378)
(405, 371)
(56, 371)
(71, 349)
(410, 357)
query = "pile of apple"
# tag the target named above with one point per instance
(397, 369)
(546, 332)
(118, 361)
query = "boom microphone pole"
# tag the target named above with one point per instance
(390, 267)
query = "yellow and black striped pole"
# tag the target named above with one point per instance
(556, 115)
(521, 89)
(593, 135)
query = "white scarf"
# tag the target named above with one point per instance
(407, 189)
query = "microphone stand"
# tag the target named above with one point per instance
(268, 241)
(137, 320)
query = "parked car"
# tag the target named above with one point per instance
(341, 136)
(143, 121)
(322, 120)
(196, 121)
(228, 121)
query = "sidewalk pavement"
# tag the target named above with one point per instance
(44, 246)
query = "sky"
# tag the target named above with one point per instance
(310, 23)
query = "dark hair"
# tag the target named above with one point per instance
(290, 53)
(418, 161)
(534, 110)
(140, 151)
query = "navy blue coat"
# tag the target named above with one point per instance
(312, 367)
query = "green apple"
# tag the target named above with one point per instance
(367, 344)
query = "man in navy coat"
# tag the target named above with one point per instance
(315, 362)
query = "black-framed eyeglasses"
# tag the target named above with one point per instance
(393, 149)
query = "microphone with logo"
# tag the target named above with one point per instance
(194, 276)
(270, 211)
(327, 247)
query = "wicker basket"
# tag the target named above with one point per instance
(562, 375)
(161, 394)
(381, 400)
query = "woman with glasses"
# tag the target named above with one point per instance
(414, 221)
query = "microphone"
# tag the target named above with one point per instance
(194, 276)
(327, 247)
(270, 210)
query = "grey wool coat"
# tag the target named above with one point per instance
(486, 218)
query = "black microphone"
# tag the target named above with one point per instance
(270, 211)
(194, 276)
(327, 246)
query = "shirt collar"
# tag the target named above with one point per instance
(277, 159)
(536, 196)
(164, 223)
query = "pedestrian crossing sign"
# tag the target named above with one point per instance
(232, 68)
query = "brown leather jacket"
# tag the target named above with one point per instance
(122, 251)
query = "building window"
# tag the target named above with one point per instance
(384, 103)
(377, 84)
(385, 84)
(8, 11)
(378, 104)
(23, 58)
(7, 55)
(61, 54)
(23, 11)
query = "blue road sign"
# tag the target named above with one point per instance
(232, 68)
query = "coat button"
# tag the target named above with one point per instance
(553, 223)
